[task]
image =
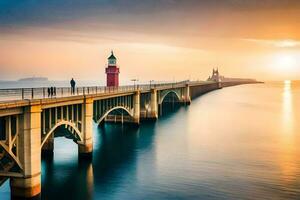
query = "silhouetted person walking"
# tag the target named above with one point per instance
(49, 92)
(52, 91)
(73, 83)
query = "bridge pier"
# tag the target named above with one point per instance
(220, 85)
(29, 152)
(136, 108)
(187, 98)
(153, 105)
(85, 147)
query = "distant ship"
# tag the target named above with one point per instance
(35, 79)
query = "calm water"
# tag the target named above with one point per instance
(237, 143)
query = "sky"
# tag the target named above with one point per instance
(152, 40)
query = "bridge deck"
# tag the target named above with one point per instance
(25, 96)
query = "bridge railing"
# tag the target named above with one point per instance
(43, 92)
(40, 93)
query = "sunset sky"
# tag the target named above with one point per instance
(157, 39)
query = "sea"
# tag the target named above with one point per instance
(239, 142)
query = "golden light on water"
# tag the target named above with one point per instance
(287, 103)
(90, 181)
(287, 141)
(287, 84)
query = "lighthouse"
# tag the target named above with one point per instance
(112, 71)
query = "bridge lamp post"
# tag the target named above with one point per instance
(151, 82)
(134, 80)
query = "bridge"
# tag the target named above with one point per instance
(29, 120)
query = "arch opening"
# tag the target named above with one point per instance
(63, 129)
(123, 113)
(169, 103)
(170, 97)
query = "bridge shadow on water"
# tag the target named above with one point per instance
(114, 167)
(115, 154)
(169, 109)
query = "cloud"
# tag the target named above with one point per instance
(156, 20)
(287, 43)
(43, 13)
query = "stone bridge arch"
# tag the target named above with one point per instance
(70, 116)
(163, 94)
(128, 111)
(76, 119)
(128, 103)
(70, 126)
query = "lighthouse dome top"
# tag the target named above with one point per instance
(112, 60)
(112, 56)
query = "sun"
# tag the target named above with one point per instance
(285, 62)
(287, 82)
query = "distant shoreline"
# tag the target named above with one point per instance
(33, 79)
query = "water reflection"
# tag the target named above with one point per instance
(90, 181)
(85, 169)
(64, 176)
(287, 140)
(287, 103)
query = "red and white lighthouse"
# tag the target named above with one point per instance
(112, 71)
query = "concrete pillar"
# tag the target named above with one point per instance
(85, 147)
(153, 105)
(220, 85)
(136, 108)
(29, 152)
(187, 96)
(48, 147)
